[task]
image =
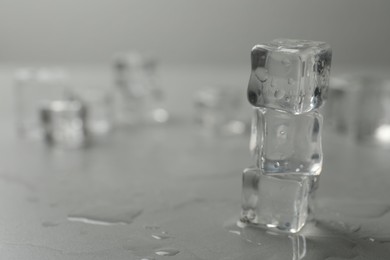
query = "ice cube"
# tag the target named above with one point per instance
(290, 75)
(64, 123)
(276, 202)
(284, 143)
(220, 110)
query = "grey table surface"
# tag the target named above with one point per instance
(172, 192)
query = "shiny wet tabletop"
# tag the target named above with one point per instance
(173, 192)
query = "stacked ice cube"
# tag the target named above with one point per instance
(288, 83)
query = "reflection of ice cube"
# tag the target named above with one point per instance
(277, 202)
(290, 75)
(284, 143)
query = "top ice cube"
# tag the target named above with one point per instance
(290, 75)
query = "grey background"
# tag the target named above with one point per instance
(178, 31)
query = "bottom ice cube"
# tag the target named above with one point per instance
(279, 202)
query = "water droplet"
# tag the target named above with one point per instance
(277, 164)
(278, 94)
(286, 62)
(235, 232)
(282, 131)
(167, 252)
(291, 81)
(301, 166)
(297, 170)
(106, 216)
(371, 239)
(148, 258)
(161, 236)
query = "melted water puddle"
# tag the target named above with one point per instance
(167, 252)
(106, 216)
(342, 230)
(161, 236)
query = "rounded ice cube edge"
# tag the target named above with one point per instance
(289, 75)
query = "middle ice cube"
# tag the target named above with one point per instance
(290, 75)
(284, 143)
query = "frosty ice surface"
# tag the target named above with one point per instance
(285, 143)
(290, 75)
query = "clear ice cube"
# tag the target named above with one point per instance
(276, 202)
(284, 143)
(290, 75)
(220, 110)
(32, 86)
(64, 123)
(138, 96)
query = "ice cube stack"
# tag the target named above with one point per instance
(288, 83)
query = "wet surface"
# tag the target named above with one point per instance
(172, 193)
